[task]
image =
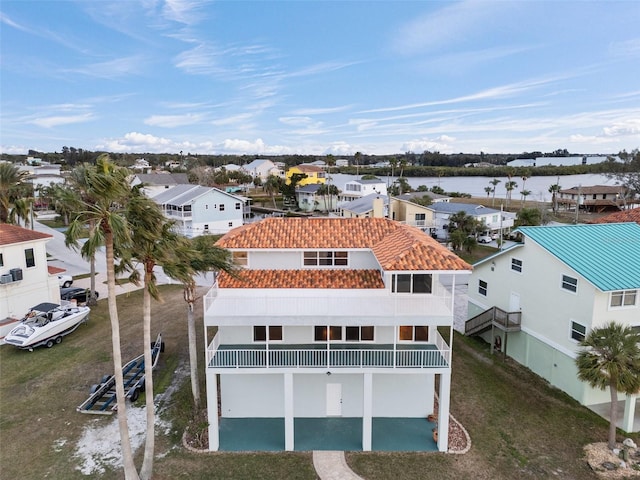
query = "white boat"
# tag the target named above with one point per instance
(46, 324)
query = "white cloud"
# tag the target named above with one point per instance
(241, 118)
(628, 127)
(169, 121)
(118, 67)
(441, 144)
(55, 121)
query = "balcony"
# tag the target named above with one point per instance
(316, 306)
(329, 356)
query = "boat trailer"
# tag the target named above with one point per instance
(102, 397)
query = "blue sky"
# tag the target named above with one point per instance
(319, 77)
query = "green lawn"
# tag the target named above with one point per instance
(520, 427)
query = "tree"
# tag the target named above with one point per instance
(528, 216)
(271, 187)
(525, 194)
(110, 191)
(328, 192)
(155, 244)
(11, 182)
(358, 158)
(494, 183)
(629, 176)
(200, 255)
(610, 358)
(488, 190)
(553, 190)
(22, 209)
(509, 186)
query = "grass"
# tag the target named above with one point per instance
(520, 427)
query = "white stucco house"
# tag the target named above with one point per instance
(310, 200)
(331, 322)
(360, 188)
(494, 220)
(155, 183)
(25, 279)
(199, 210)
(550, 291)
(262, 168)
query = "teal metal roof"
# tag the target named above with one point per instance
(607, 255)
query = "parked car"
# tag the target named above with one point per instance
(65, 280)
(484, 239)
(80, 295)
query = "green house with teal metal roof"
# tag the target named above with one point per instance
(536, 300)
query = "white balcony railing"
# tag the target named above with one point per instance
(336, 356)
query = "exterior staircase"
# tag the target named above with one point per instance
(493, 317)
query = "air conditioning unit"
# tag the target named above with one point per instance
(6, 278)
(16, 274)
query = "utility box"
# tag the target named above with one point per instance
(16, 274)
(6, 278)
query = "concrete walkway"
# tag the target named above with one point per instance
(331, 465)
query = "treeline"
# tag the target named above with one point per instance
(409, 164)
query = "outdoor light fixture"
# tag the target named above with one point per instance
(328, 373)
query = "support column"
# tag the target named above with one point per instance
(212, 412)
(443, 411)
(367, 411)
(288, 412)
(629, 413)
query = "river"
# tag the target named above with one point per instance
(538, 186)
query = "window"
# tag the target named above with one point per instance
(623, 298)
(413, 333)
(260, 333)
(516, 265)
(411, 283)
(358, 334)
(1, 261)
(482, 287)
(420, 219)
(570, 283)
(578, 331)
(230, 224)
(206, 227)
(320, 333)
(237, 205)
(325, 259)
(222, 207)
(29, 257)
(241, 258)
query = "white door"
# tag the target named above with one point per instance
(514, 302)
(334, 399)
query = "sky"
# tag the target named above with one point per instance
(319, 77)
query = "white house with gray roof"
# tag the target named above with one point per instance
(361, 188)
(155, 183)
(263, 168)
(538, 299)
(494, 220)
(199, 210)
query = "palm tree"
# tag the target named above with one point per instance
(553, 190)
(200, 256)
(488, 190)
(494, 183)
(357, 157)
(509, 186)
(611, 358)
(271, 187)
(22, 209)
(525, 194)
(11, 181)
(110, 191)
(155, 243)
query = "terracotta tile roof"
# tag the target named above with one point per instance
(622, 216)
(55, 270)
(395, 245)
(343, 279)
(10, 234)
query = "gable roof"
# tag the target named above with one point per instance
(306, 168)
(607, 254)
(11, 234)
(364, 204)
(622, 216)
(468, 208)
(397, 247)
(162, 178)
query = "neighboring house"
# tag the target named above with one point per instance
(495, 221)
(405, 210)
(314, 174)
(309, 199)
(331, 324)
(360, 188)
(155, 183)
(263, 168)
(25, 280)
(632, 215)
(199, 210)
(550, 291)
(596, 198)
(342, 162)
(372, 205)
(141, 165)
